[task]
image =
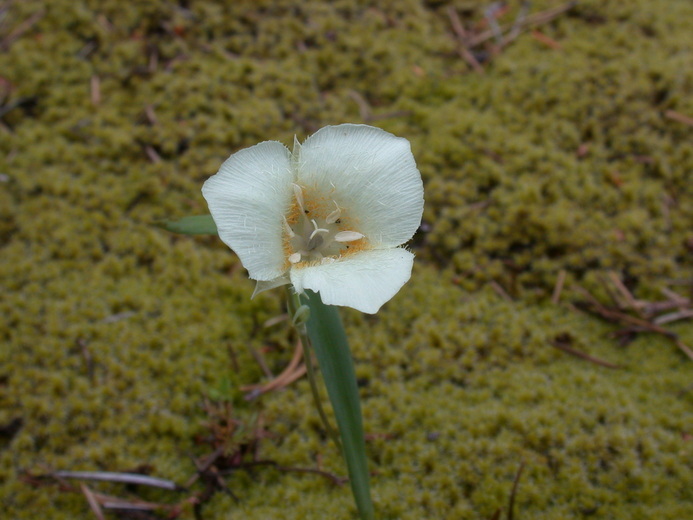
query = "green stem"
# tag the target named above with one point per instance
(294, 304)
(334, 357)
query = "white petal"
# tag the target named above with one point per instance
(371, 174)
(248, 199)
(364, 281)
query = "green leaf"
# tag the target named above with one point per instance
(193, 225)
(334, 357)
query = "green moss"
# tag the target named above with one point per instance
(553, 160)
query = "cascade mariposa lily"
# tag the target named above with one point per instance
(329, 216)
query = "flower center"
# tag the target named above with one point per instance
(317, 232)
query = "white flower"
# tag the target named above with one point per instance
(329, 217)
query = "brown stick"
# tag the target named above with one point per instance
(500, 291)
(462, 37)
(291, 373)
(331, 476)
(637, 324)
(625, 293)
(95, 90)
(93, 502)
(673, 316)
(549, 42)
(513, 493)
(558, 289)
(676, 116)
(151, 116)
(652, 308)
(580, 354)
(152, 154)
(684, 348)
(620, 317)
(21, 29)
(260, 361)
(675, 296)
(517, 25)
(364, 108)
(534, 19)
(277, 319)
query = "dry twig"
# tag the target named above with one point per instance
(529, 21)
(513, 493)
(365, 111)
(99, 501)
(152, 154)
(95, 90)
(676, 116)
(260, 361)
(293, 371)
(549, 42)
(462, 37)
(93, 502)
(498, 288)
(517, 25)
(21, 29)
(558, 289)
(564, 345)
(647, 318)
(124, 478)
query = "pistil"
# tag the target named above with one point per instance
(318, 239)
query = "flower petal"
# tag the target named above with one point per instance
(371, 174)
(248, 199)
(364, 281)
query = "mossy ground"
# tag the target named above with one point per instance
(555, 159)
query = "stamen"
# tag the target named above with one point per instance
(316, 239)
(334, 216)
(288, 229)
(298, 193)
(348, 236)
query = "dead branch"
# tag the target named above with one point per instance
(530, 21)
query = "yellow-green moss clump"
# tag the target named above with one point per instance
(555, 159)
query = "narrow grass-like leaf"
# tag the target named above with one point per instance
(329, 341)
(193, 225)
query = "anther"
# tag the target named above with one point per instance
(288, 229)
(334, 216)
(348, 236)
(295, 258)
(298, 193)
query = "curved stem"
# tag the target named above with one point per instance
(294, 304)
